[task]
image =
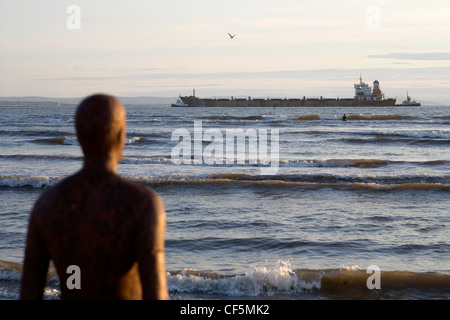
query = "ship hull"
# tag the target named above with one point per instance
(408, 105)
(280, 103)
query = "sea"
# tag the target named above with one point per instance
(305, 207)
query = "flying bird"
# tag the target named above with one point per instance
(231, 36)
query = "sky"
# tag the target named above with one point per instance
(281, 48)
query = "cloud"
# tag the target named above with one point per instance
(413, 56)
(307, 74)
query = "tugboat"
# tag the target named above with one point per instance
(409, 102)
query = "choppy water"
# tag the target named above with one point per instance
(373, 190)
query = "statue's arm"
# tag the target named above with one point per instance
(37, 258)
(151, 257)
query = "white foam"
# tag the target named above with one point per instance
(134, 140)
(71, 141)
(262, 281)
(10, 286)
(7, 275)
(24, 181)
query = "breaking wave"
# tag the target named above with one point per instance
(15, 157)
(312, 117)
(17, 181)
(280, 281)
(64, 140)
(300, 163)
(309, 181)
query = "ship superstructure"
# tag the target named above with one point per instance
(364, 92)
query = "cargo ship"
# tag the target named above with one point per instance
(364, 96)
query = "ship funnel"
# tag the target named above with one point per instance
(376, 87)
